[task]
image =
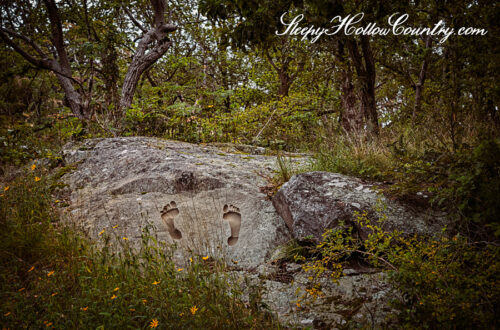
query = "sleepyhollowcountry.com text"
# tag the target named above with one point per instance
(349, 26)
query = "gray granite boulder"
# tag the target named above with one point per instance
(356, 300)
(200, 198)
(310, 203)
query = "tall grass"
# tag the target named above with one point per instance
(51, 276)
(353, 155)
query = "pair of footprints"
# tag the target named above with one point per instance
(231, 215)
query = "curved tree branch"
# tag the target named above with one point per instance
(142, 60)
(132, 18)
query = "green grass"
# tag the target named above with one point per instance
(52, 276)
(353, 155)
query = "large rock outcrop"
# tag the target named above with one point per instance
(310, 203)
(208, 200)
(201, 198)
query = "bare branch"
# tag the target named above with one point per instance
(269, 58)
(57, 35)
(26, 39)
(379, 258)
(41, 63)
(44, 63)
(132, 18)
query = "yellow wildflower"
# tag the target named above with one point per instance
(6, 188)
(205, 258)
(37, 179)
(48, 324)
(154, 323)
(51, 273)
(125, 238)
(132, 309)
(114, 227)
(101, 232)
(210, 106)
(180, 269)
(190, 259)
(32, 268)
(33, 167)
(156, 282)
(85, 308)
(193, 309)
(181, 314)
(144, 301)
(54, 294)
(113, 297)
(116, 289)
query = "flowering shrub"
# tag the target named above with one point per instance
(443, 281)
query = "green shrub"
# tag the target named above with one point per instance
(474, 187)
(281, 124)
(443, 282)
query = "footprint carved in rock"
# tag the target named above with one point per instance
(233, 217)
(170, 211)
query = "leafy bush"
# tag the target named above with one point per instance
(474, 187)
(281, 124)
(443, 282)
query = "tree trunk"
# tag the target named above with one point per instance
(285, 78)
(284, 83)
(73, 98)
(140, 63)
(421, 78)
(59, 64)
(142, 60)
(364, 64)
(369, 107)
(351, 118)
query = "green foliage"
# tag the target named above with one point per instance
(446, 282)
(280, 124)
(69, 128)
(22, 140)
(146, 123)
(52, 276)
(442, 281)
(26, 138)
(466, 183)
(474, 186)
